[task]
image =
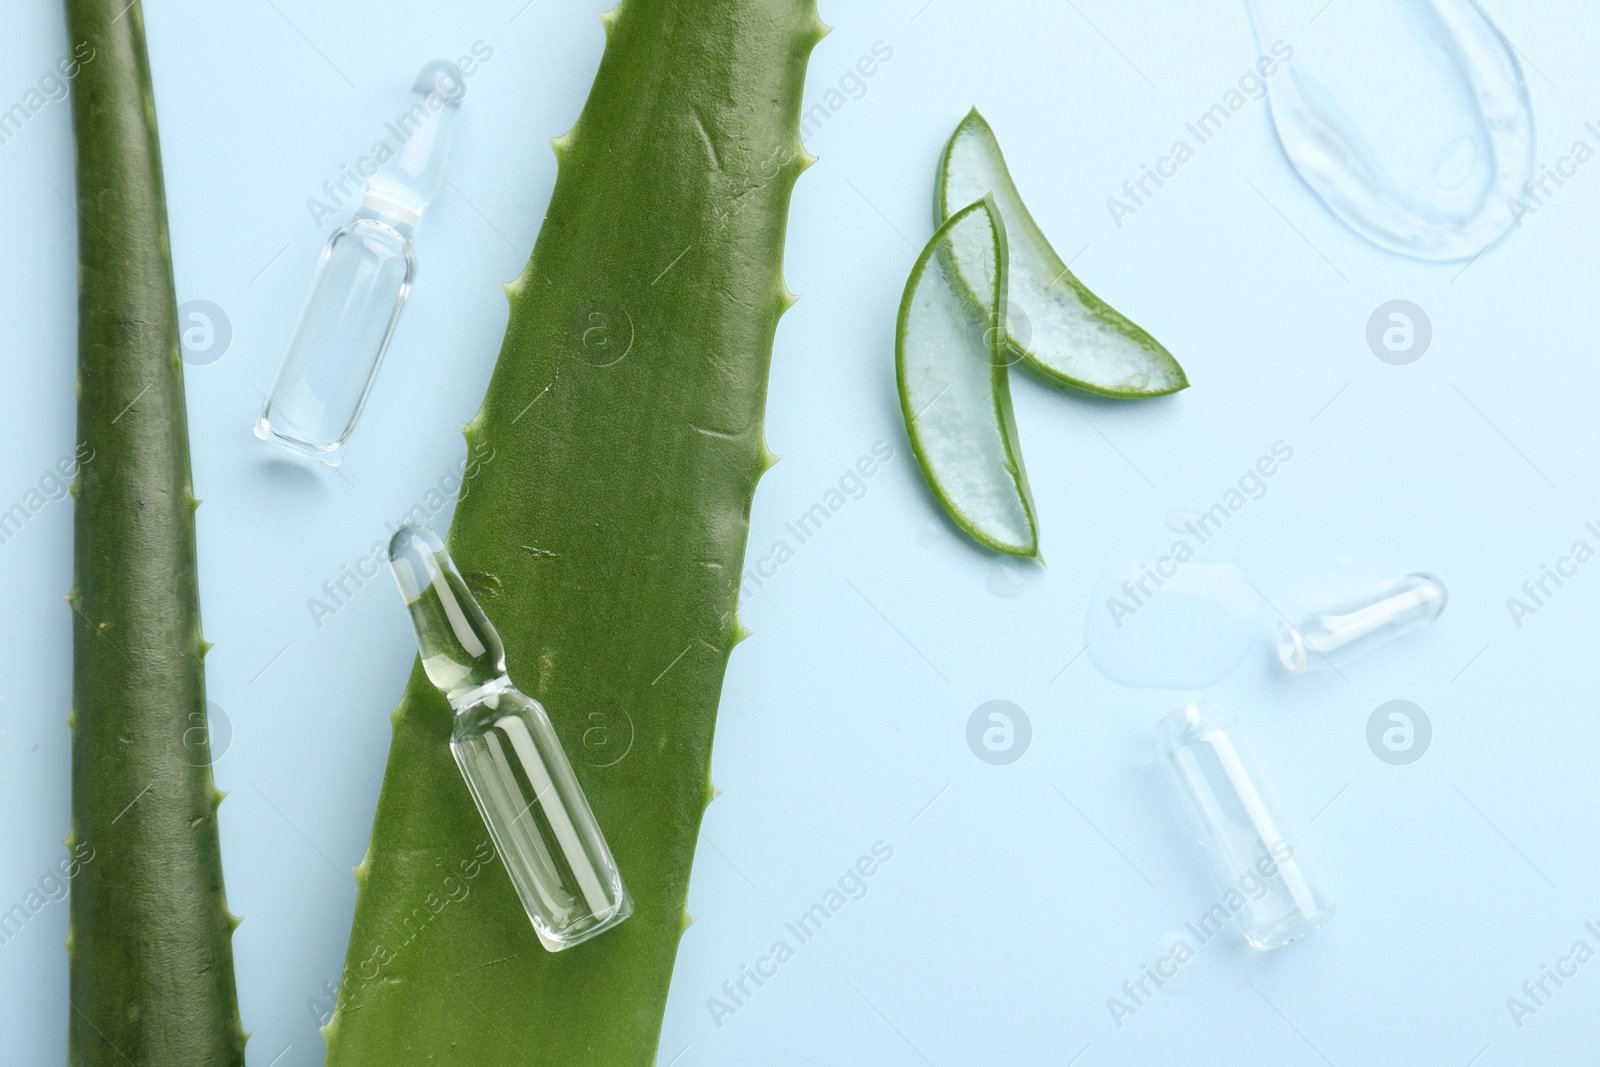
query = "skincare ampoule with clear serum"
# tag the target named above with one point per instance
(509, 754)
(363, 278)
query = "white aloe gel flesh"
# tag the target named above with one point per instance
(1050, 316)
(953, 385)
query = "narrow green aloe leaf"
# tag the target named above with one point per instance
(150, 942)
(1055, 324)
(603, 531)
(955, 392)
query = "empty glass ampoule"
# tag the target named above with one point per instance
(364, 276)
(509, 754)
(1327, 634)
(1259, 859)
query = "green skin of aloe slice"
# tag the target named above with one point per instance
(952, 373)
(1064, 332)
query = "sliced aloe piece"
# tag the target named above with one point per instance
(1054, 322)
(951, 367)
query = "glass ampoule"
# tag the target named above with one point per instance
(514, 765)
(1258, 857)
(1327, 634)
(363, 278)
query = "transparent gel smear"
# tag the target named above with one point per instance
(363, 278)
(1189, 629)
(513, 763)
(1329, 633)
(1262, 869)
(1410, 119)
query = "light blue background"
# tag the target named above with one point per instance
(1021, 897)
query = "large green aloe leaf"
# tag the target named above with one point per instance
(605, 540)
(150, 943)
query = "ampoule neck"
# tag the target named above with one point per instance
(466, 698)
(409, 180)
(389, 211)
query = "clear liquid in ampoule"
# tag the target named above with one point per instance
(1327, 634)
(359, 288)
(363, 278)
(540, 821)
(513, 763)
